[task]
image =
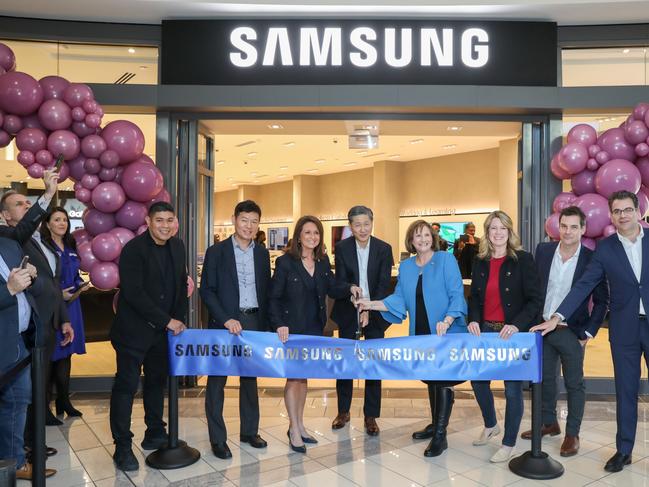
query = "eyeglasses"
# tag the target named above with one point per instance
(626, 211)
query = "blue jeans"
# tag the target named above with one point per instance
(14, 399)
(513, 407)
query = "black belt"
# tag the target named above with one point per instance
(248, 311)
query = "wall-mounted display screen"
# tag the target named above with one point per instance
(277, 238)
(339, 233)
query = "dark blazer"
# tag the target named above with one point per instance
(519, 286)
(288, 302)
(47, 292)
(220, 283)
(379, 268)
(140, 317)
(609, 262)
(9, 336)
(26, 227)
(582, 320)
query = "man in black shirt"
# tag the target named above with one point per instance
(152, 301)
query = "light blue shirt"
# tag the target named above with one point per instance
(51, 258)
(363, 255)
(245, 260)
(24, 309)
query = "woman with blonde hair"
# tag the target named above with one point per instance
(505, 299)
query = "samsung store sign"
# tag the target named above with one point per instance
(261, 52)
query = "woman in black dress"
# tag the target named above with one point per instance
(297, 305)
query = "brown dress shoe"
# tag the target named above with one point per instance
(370, 426)
(570, 446)
(26, 472)
(341, 420)
(552, 429)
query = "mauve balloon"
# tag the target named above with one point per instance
(106, 174)
(640, 110)
(76, 94)
(109, 158)
(81, 129)
(636, 132)
(583, 182)
(125, 138)
(89, 106)
(163, 195)
(602, 157)
(643, 202)
(53, 87)
(609, 230)
(592, 165)
(32, 122)
(55, 115)
(76, 167)
(595, 207)
(142, 181)
(642, 149)
(31, 139)
(104, 275)
(7, 58)
(93, 146)
(26, 158)
(64, 172)
(36, 171)
(84, 195)
(80, 236)
(552, 226)
(20, 94)
(64, 142)
(96, 222)
(5, 138)
(614, 143)
(78, 115)
(141, 229)
(123, 234)
(44, 158)
(92, 166)
(643, 166)
(12, 124)
(87, 258)
(589, 243)
(92, 120)
(106, 246)
(617, 175)
(583, 134)
(90, 181)
(108, 197)
(131, 215)
(593, 150)
(573, 157)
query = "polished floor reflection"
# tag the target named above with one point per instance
(346, 457)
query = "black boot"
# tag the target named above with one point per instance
(444, 406)
(62, 379)
(429, 430)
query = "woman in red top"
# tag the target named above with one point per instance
(505, 299)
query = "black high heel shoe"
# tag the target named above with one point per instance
(298, 449)
(309, 439)
(68, 408)
(50, 419)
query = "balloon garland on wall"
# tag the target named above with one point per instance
(112, 176)
(598, 166)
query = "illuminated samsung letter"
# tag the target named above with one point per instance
(237, 40)
(367, 55)
(278, 35)
(391, 47)
(309, 41)
(443, 50)
(468, 48)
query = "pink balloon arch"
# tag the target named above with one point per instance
(597, 166)
(53, 117)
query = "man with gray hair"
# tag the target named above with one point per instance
(365, 261)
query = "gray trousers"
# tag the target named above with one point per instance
(248, 398)
(562, 344)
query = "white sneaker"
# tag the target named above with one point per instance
(503, 454)
(486, 435)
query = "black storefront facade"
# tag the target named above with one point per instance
(250, 69)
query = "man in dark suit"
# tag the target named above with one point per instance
(622, 259)
(234, 287)
(366, 262)
(560, 265)
(152, 301)
(443, 244)
(18, 326)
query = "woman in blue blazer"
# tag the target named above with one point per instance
(430, 292)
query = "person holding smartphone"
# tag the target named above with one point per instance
(55, 233)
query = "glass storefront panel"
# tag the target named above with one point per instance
(87, 63)
(615, 66)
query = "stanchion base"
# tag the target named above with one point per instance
(170, 458)
(539, 467)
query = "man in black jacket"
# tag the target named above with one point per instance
(152, 301)
(234, 287)
(366, 262)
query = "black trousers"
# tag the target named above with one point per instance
(248, 398)
(345, 387)
(129, 366)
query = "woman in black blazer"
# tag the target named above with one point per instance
(505, 299)
(297, 305)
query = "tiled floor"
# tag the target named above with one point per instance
(342, 458)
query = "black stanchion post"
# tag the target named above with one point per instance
(38, 455)
(177, 454)
(535, 464)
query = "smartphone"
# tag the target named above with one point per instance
(82, 285)
(24, 262)
(59, 163)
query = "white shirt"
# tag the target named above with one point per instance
(634, 254)
(363, 255)
(51, 258)
(24, 309)
(559, 281)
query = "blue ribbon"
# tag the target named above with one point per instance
(459, 356)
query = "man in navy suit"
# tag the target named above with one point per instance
(560, 265)
(234, 287)
(623, 260)
(366, 262)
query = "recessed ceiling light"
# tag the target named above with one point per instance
(252, 154)
(281, 176)
(220, 163)
(144, 67)
(416, 141)
(131, 50)
(233, 184)
(283, 168)
(394, 156)
(289, 144)
(449, 146)
(626, 51)
(256, 181)
(275, 126)
(370, 127)
(230, 179)
(454, 128)
(349, 164)
(311, 170)
(319, 161)
(363, 152)
(254, 174)
(22, 181)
